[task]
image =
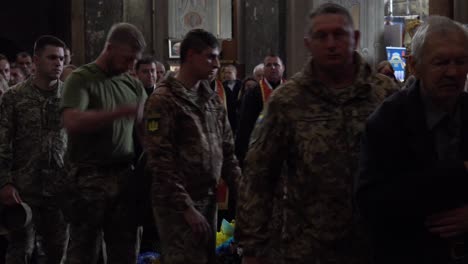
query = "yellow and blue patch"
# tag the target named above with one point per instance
(152, 123)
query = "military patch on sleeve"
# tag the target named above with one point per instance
(152, 123)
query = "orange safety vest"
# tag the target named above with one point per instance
(266, 89)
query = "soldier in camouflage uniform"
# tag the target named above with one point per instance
(312, 124)
(100, 105)
(189, 145)
(32, 147)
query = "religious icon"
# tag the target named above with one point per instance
(174, 48)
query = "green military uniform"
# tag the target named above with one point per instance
(32, 147)
(315, 131)
(189, 145)
(100, 168)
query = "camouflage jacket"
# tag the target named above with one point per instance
(32, 140)
(189, 144)
(3, 85)
(315, 131)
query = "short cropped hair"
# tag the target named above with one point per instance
(331, 8)
(144, 60)
(434, 24)
(47, 40)
(273, 55)
(198, 40)
(22, 55)
(126, 34)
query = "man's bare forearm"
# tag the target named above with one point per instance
(76, 121)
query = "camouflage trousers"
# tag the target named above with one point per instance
(178, 244)
(103, 209)
(49, 225)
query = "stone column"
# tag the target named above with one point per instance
(77, 28)
(160, 31)
(91, 21)
(99, 17)
(140, 14)
(297, 22)
(264, 31)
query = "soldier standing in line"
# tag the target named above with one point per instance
(190, 146)
(312, 125)
(99, 110)
(32, 148)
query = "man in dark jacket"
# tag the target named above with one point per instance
(254, 101)
(413, 181)
(232, 86)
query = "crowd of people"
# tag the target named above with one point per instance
(341, 163)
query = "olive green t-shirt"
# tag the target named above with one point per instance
(90, 88)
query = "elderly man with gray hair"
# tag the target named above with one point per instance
(99, 109)
(258, 72)
(413, 179)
